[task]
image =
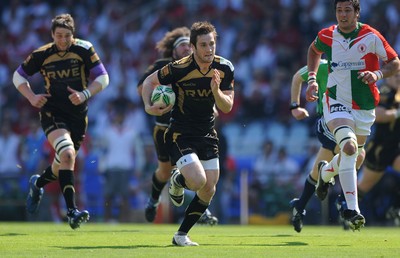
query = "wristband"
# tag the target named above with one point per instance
(311, 80)
(378, 74)
(294, 105)
(310, 74)
(87, 94)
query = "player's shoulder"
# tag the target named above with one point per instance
(44, 48)
(83, 43)
(367, 29)
(328, 30)
(183, 62)
(162, 61)
(224, 62)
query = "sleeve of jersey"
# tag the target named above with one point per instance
(165, 74)
(383, 49)
(304, 73)
(226, 83)
(30, 66)
(323, 41)
(91, 58)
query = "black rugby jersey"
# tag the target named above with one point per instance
(388, 133)
(164, 119)
(61, 69)
(193, 112)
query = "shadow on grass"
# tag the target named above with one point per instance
(12, 234)
(111, 247)
(158, 246)
(281, 244)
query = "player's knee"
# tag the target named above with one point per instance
(198, 183)
(346, 139)
(65, 152)
(68, 156)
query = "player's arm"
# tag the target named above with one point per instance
(391, 68)
(140, 83)
(100, 82)
(388, 69)
(223, 99)
(149, 84)
(313, 60)
(384, 115)
(20, 82)
(295, 90)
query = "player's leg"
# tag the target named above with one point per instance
(37, 182)
(299, 204)
(190, 175)
(159, 180)
(326, 152)
(161, 175)
(66, 151)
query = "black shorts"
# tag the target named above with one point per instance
(53, 121)
(206, 147)
(379, 156)
(324, 136)
(158, 138)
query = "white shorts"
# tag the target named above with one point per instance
(363, 119)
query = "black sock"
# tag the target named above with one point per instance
(308, 192)
(46, 177)
(156, 188)
(192, 214)
(66, 178)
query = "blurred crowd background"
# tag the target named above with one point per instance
(266, 41)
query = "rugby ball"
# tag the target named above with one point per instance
(163, 96)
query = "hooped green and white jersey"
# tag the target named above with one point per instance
(348, 54)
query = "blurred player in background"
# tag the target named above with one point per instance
(66, 65)
(353, 50)
(200, 82)
(173, 46)
(328, 144)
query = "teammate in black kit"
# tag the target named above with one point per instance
(200, 82)
(173, 46)
(66, 65)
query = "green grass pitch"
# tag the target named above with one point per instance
(154, 240)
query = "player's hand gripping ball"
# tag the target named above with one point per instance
(163, 96)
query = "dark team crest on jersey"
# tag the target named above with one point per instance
(94, 58)
(362, 48)
(164, 71)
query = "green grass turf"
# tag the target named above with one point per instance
(148, 240)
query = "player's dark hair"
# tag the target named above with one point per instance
(64, 20)
(354, 3)
(166, 44)
(201, 28)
